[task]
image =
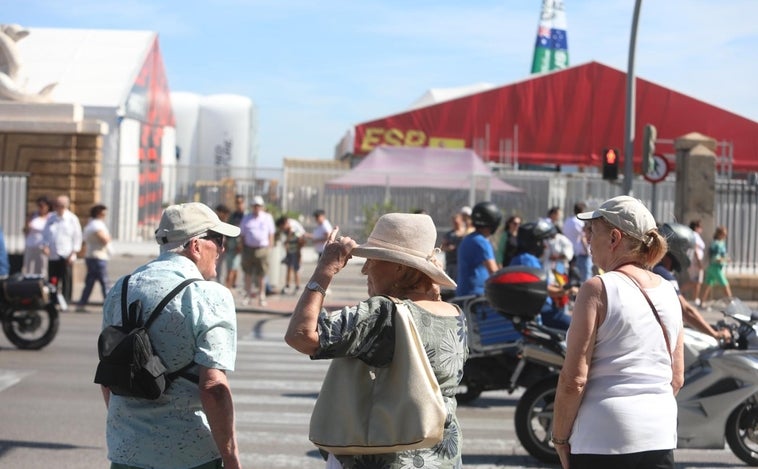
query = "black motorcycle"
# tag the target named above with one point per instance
(29, 310)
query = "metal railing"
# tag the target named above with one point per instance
(298, 192)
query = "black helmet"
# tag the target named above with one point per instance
(681, 239)
(531, 236)
(486, 215)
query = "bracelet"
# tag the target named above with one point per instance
(558, 441)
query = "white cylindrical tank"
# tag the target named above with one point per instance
(225, 135)
(186, 107)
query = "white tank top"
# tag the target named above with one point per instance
(628, 404)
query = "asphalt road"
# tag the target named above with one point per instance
(52, 415)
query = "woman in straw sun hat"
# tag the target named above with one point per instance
(400, 262)
(615, 403)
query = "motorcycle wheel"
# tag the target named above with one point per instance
(534, 420)
(467, 391)
(742, 431)
(31, 329)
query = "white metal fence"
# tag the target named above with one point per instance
(298, 192)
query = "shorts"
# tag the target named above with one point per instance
(255, 261)
(292, 260)
(233, 260)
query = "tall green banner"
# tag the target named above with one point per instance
(551, 48)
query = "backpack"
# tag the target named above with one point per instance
(128, 364)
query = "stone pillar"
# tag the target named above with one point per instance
(59, 150)
(696, 181)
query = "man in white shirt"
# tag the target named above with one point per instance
(257, 239)
(573, 229)
(62, 240)
(321, 232)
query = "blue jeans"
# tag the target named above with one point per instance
(96, 272)
(583, 264)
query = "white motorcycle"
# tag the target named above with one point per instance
(719, 400)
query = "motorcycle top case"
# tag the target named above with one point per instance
(517, 291)
(25, 290)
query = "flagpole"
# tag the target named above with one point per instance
(630, 103)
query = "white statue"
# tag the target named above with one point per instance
(11, 86)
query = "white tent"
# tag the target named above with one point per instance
(416, 167)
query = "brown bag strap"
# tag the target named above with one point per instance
(655, 311)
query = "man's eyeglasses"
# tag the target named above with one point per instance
(215, 237)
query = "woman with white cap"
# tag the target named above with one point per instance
(615, 403)
(400, 262)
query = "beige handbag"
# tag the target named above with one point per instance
(369, 410)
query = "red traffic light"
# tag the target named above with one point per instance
(610, 164)
(610, 156)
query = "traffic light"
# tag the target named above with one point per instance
(648, 147)
(610, 164)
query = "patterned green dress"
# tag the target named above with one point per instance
(366, 331)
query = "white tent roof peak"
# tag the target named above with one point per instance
(438, 95)
(93, 67)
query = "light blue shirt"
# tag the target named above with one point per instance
(199, 324)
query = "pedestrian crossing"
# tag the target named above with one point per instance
(275, 388)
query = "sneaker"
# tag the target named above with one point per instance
(296, 290)
(80, 309)
(697, 302)
(262, 302)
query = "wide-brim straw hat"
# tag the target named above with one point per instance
(408, 239)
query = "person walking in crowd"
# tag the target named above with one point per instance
(5, 266)
(680, 240)
(192, 424)
(697, 264)
(476, 256)
(62, 240)
(509, 239)
(533, 239)
(615, 402)
(35, 260)
(321, 232)
(97, 240)
(223, 213)
(717, 260)
(573, 229)
(451, 240)
(400, 262)
(233, 248)
(294, 240)
(258, 231)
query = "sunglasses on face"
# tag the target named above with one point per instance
(215, 237)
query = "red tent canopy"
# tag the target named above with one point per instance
(564, 117)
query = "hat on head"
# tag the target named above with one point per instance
(180, 223)
(407, 239)
(257, 200)
(465, 210)
(625, 213)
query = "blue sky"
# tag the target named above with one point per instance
(316, 68)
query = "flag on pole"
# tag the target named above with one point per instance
(551, 48)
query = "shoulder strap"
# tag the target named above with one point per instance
(655, 311)
(124, 287)
(158, 309)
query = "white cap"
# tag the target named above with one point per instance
(625, 213)
(257, 200)
(180, 223)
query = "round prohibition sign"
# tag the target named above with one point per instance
(657, 171)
